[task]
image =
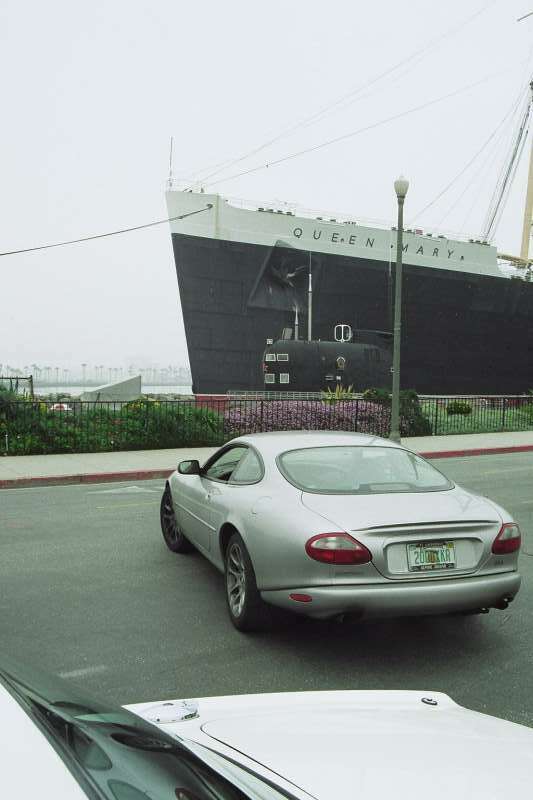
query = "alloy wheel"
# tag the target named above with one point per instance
(236, 579)
(168, 520)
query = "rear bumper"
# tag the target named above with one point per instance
(415, 598)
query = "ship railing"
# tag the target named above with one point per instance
(348, 218)
(323, 216)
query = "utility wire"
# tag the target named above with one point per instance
(344, 136)
(110, 233)
(350, 96)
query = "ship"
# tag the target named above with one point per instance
(245, 271)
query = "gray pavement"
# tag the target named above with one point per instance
(93, 467)
(79, 464)
(88, 590)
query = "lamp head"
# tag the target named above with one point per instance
(401, 186)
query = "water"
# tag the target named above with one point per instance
(75, 391)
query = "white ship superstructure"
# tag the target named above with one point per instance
(268, 224)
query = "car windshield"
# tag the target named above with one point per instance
(116, 755)
(360, 470)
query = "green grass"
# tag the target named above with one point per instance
(481, 420)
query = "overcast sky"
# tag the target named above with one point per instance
(92, 92)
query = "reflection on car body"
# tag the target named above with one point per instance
(105, 752)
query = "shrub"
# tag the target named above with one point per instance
(94, 427)
(377, 396)
(459, 407)
(311, 415)
(7, 400)
(340, 393)
(413, 422)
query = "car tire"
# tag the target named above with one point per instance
(246, 609)
(174, 537)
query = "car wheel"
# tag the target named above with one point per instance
(246, 609)
(172, 533)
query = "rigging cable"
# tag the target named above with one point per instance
(349, 96)
(502, 191)
(507, 188)
(489, 158)
(459, 175)
(504, 166)
(356, 132)
(109, 233)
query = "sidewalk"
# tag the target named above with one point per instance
(19, 471)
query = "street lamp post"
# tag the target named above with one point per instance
(400, 186)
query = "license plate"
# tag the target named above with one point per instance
(426, 556)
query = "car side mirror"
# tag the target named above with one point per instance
(189, 467)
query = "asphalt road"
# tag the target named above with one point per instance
(88, 590)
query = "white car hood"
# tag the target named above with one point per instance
(359, 512)
(31, 768)
(368, 745)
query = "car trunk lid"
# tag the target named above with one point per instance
(413, 536)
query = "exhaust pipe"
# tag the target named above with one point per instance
(503, 603)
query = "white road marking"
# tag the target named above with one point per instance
(123, 490)
(83, 672)
(127, 505)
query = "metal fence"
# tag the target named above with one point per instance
(72, 426)
(17, 384)
(478, 414)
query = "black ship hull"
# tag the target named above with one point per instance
(461, 333)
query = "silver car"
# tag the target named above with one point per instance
(326, 524)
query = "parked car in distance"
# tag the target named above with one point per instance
(64, 407)
(326, 523)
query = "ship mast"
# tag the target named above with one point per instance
(528, 210)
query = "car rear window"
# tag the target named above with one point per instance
(360, 470)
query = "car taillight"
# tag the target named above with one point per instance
(337, 548)
(508, 540)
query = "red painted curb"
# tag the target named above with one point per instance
(93, 477)
(148, 474)
(485, 451)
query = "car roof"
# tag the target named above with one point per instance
(278, 441)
